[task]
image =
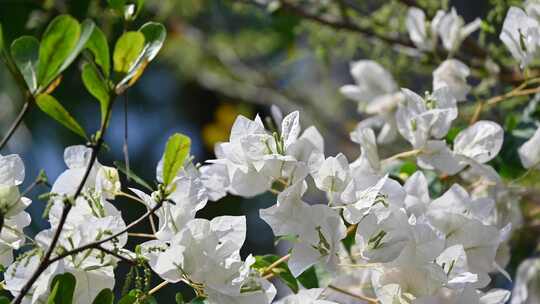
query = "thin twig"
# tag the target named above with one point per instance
(117, 255)
(142, 235)
(98, 243)
(268, 270)
(353, 295)
(158, 287)
(24, 110)
(401, 155)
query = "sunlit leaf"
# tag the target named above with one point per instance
(176, 152)
(58, 42)
(126, 51)
(98, 46)
(25, 54)
(54, 109)
(97, 87)
(87, 28)
(154, 37)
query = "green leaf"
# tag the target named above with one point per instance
(87, 28)
(97, 87)
(154, 37)
(176, 152)
(126, 51)
(408, 168)
(282, 270)
(59, 40)
(120, 166)
(105, 296)
(98, 46)
(130, 298)
(4, 300)
(54, 109)
(179, 298)
(308, 278)
(25, 54)
(62, 288)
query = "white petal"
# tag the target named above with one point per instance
(480, 142)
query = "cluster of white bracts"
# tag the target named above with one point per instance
(409, 247)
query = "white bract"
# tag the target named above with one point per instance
(453, 30)
(306, 296)
(377, 94)
(453, 74)
(318, 229)
(12, 204)
(423, 34)
(254, 159)
(521, 35)
(529, 152)
(526, 289)
(206, 254)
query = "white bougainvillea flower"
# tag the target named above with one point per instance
(380, 199)
(368, 147)
(454, 263)
(180, 206)
(417, 199)
(11, 176)
(436, 155)
(526, 284)
(402, 284)
(457, 200)
(377, 93)
(529, 152)
(12, 204)
(453, 30)
(465, 295)
(453, 74)
(102, 180)
(207, 253)
(423, 34)
(532, 7)
(480, 242)
(480, 142)
(12, 236)
(332, 174)
(419, 118)
(89, 281)
(215, 179)
(305, 296)
(256, 158)
(521, 35)
(374, 84)
(318, 229)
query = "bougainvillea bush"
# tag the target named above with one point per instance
(431, 222)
